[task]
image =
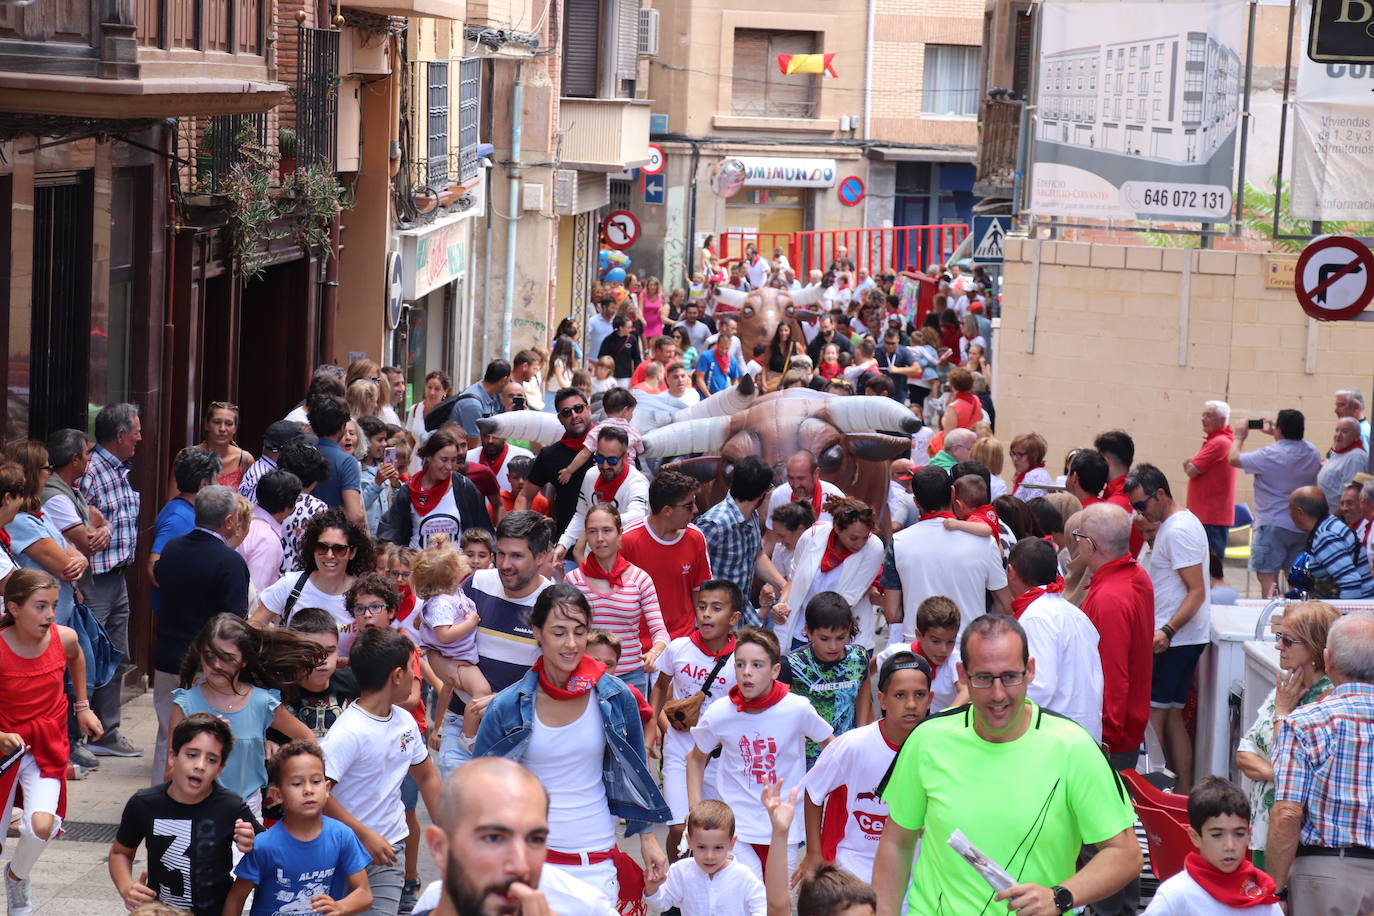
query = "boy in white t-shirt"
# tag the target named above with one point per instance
(711, 882)
(369, 750)
(937, 641)
(761, 731)
(684, 666)
(1217, 879)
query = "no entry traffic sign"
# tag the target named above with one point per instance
(621, 229)
(1334, 278)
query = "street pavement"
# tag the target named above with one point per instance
(72, 877)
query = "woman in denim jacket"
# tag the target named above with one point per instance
(577, 728)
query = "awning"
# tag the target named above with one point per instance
(913, 154)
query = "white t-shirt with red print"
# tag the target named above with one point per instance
(845, 782)
(757, 748)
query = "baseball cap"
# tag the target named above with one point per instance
(281, 434)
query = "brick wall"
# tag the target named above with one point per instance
(900, 35)
(1107, 337)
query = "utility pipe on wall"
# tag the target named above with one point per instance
(512, 208)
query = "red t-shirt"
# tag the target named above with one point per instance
(637, 377)
(988, 516)
(539, 504)
(1212, 496)
(1121, 604)
(1115, 493)
(677, 570)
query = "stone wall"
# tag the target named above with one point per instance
(1116, 343)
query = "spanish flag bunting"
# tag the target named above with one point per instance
(806, 63)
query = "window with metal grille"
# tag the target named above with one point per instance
(436, 130)
(950, 85)
(581, 46)
(620, 192)
(758, 89)
(469, 101)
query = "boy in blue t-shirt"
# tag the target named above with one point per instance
(307, 863)
(830, 670)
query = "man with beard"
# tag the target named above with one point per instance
(493, 453)
(489, 848)
(575, 416)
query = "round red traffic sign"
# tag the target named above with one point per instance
(851, 191)
(1334, 278)
(621, 229)
(656, 160)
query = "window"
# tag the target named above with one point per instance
(593, 29)
(1192, 111)
(437, 92)
(1132, 57)
(1092, 79)
(469, 99)
(1159, 53)
(1106, 108)
(758, 89)
(1192, 81)
(1130, 107)
(1145, 56)
(1158, 103)
(1159, 80)
(951, 81)
(1197, 50)
(1144, 84)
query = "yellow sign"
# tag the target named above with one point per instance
(1280, 271)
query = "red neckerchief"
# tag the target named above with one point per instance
(1016, 484)
(1357, 444)
(771, 698)
(835, 553)
(583, 678)
(407, 603)
(1245, 887)
(722, 360)
(916, 647)
(605, 489)
(942, 513)
(1020, 603)
(495, 464)
(5, 538)
(1113, 488)
(592, 569)
(572, 442)
(816, 496)
(695, 637)
(828, 371)
(423, 499)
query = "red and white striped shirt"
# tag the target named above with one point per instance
(622, 612)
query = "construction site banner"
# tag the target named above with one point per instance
(1333, 142)
(1137, 105)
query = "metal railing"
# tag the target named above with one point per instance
(999, 131)
(317, 96)
(875, 250)
(226, 145)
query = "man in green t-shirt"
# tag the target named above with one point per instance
(1027, 786)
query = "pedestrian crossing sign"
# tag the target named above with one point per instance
(990, 238)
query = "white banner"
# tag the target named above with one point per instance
(1333, 141)
(1137, 105)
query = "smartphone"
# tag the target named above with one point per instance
(1254, 424)
(517, 402)
(389, 456)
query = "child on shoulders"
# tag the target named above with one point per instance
(971, 506)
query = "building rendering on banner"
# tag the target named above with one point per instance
(1169, 97)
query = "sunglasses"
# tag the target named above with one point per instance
(337, 550)
(1287, 642)
(1139, 505)
(569, 411)
(607, 459)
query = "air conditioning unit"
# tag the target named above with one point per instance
(648, 33)
(565, 191)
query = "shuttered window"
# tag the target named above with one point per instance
(758, 88)
(627, 39)
(436, 168)
(581, 28)
(470, 97)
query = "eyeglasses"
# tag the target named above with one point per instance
(1139, 505)
(1079, 535)
(1008, 679)
(1016, 454)
(611, 460)
(46, 467)
(1287, 642)
(569, 411)
(337, 550)
(368, 610)
(398, 573)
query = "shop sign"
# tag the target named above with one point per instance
(433, 256)
(769, 172)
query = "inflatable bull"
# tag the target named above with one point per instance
(840, 430)
(760, 311)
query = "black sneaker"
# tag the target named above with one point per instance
(410, 895)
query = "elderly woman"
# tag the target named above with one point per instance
(1028, 458)
(1301, 640)
(577, 727)
(33, 541)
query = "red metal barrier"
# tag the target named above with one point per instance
(732, 245)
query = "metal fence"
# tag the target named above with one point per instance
(875, 250)
(317, 102)
(228, 135)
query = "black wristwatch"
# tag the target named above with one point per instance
(1063, 898)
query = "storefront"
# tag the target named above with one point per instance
(777, 196)
(430, 314)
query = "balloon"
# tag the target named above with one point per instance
(616, 275)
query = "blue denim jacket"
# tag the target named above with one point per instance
(630, 789)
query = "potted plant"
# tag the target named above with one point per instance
(205, 153)
(287, 150)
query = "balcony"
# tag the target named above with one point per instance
(999, 131)
(151, 59)
(456, 10)
(604, 135)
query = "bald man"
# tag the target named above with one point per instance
(490, 845)
(803, 484)
(901, 506)
(1333, 551)
(1346, 458)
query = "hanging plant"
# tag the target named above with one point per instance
(311, 196)
(252, 210)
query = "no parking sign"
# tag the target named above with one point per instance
(851, 191)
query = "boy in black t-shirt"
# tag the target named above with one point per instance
(189, 824)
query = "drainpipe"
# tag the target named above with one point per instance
(868, 75)
(517, 103)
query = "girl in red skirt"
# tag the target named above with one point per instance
(35, 653)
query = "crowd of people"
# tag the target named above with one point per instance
(560, 646)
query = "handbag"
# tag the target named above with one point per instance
(102, 661)
(683, 714)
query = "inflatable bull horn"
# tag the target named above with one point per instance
(866, 414)
(530, 425)
(687, 437)
(731, 297)
(723, 403)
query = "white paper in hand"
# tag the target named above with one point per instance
(992, 873)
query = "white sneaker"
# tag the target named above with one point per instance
(17, 896)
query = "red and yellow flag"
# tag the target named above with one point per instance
(806, 63)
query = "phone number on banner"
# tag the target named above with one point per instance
(1158, 198)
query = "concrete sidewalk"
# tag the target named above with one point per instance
(72, 877)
